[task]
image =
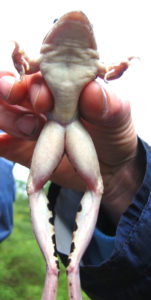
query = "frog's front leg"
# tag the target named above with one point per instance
(81, 152)
(113, 71)
(22, 63)
(47, 155)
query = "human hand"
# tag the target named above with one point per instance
(19, 117)
(19, 120)
(108, 120)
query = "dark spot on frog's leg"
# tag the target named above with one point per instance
(52, 196)
(72, 247)
(53, 239)
(57, 263)
(80, 208)
(51, 221)
(55, 253)
(49, 206)
(53, 192)
(54, 243)
(68, 262)
(75, 227)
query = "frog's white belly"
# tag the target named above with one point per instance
(67, 70)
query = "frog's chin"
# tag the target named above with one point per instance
(73, 26)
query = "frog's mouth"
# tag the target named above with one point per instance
(73, 26)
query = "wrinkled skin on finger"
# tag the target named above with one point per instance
(18, 116)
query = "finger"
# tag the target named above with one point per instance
(109, 123)
(11, 90)
(40, 94)
(16, 149)
(19, 121)
(31, 92)
(97, 105)
(4, 73)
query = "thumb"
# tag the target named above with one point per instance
(100, 106)
(20, 122)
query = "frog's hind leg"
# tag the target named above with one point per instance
(47, 155)
(82, 154)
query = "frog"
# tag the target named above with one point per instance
(68, 61)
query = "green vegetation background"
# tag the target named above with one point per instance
(22, 266)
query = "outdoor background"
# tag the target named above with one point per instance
(22, 266)
(122, 29)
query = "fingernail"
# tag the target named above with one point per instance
(104, 101)
(34, 93)
(6, 83)
(28, 125)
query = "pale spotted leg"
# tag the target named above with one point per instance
(47, 155)
(82, 154)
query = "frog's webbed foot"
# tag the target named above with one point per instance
(47, 155)
(114, 71)
(83, 157)
(22, 62)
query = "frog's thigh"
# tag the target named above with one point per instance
(48, 153)
(82, 154)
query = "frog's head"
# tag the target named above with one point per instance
(73, 26)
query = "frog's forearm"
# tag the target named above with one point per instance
(22, 63)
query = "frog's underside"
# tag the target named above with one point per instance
(68, 61)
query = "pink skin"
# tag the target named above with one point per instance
(68, 62)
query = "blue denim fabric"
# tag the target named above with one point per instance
(124, 273)
(7, 196)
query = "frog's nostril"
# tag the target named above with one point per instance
(55, 20)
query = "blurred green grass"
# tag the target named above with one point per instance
(22, 266)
